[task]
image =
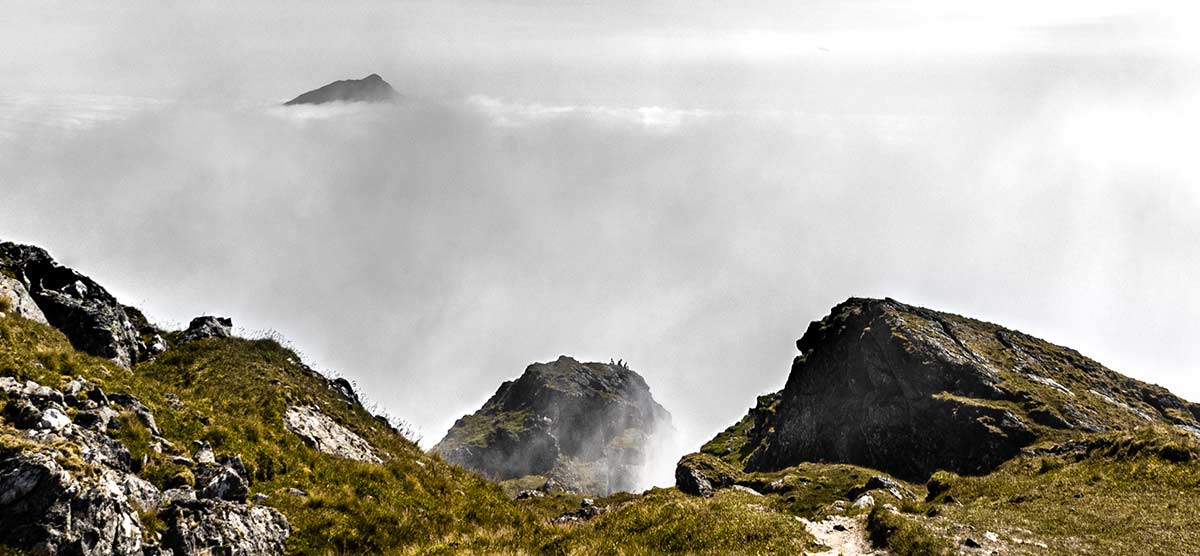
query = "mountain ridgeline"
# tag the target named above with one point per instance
(586, 426)
(900, 430)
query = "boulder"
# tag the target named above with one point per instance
(16, 298)
(206, 526)
(83, 310)
(207, 327)
(325, 435)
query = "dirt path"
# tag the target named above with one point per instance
(845, 536)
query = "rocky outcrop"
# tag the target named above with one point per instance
(326, 435)
(587, 425)
(15, 299)
(66, 487)
(207, 327)
(84, 311)
(371, 88)
(909, 391)
(203, 527)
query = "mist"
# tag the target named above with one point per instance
(689, 213)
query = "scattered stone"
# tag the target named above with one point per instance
(526, 494)
(971, 543)
(296, 492)
(864, 501)
(259, 498)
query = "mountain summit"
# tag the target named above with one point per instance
(588, 426)
(911, 391)
(371, 88)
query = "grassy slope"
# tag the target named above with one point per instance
(233, 392)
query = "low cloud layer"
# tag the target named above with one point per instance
(432, 249)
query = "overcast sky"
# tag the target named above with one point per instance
(684, 185)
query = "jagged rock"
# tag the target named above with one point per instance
(346, 389)
(526, 494)
(19, 301)
(97, 419)
(326, 435)
(204, 526)
(84, 311)
(43, 508)
(371, 88)
(223, 484)
(207, 327)
(587, 425)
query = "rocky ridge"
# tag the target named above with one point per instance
(584, 425)
(911, 391)
(82, 309)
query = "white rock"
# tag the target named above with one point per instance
(53, 419)
(326, 435)
(19, 300)
(864, 501)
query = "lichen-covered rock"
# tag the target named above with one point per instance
(83, 310)
(326, 435)
(204, 527)
(588, 425)
(207, 327)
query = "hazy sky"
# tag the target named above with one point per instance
(684, 185)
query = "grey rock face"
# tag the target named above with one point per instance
(208, 327)
(204, 527)
(84, 311)
(19, 301)
(42, 506)
(326, 435)
(868, 388)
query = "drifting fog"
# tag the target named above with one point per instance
(690, 215)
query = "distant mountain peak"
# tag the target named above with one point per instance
(371, 88)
